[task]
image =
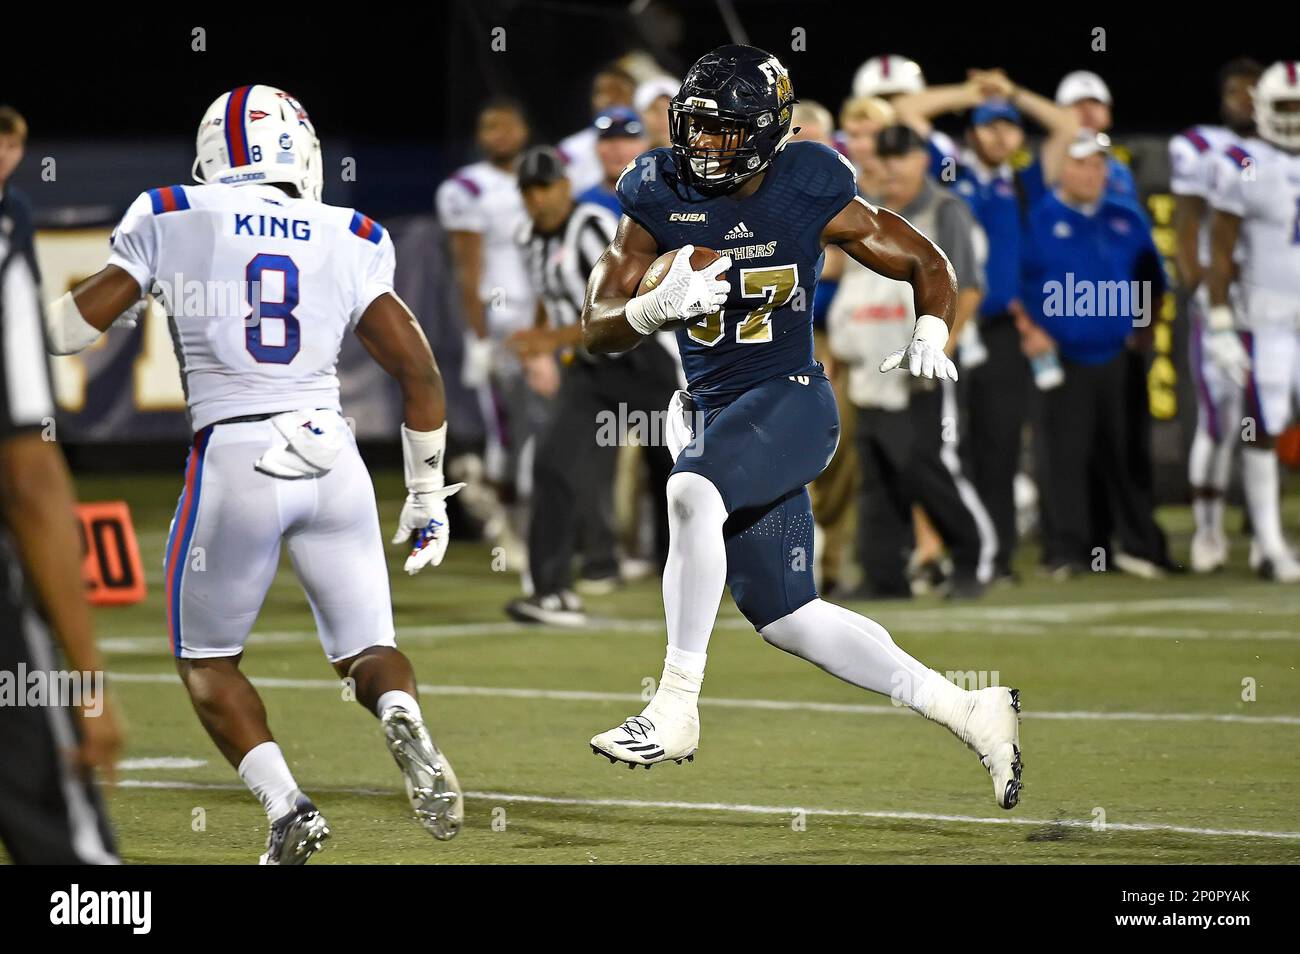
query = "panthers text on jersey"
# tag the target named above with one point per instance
(259, 287)
(1260, 183)
(774, 239)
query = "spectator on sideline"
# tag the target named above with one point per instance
(906, 448)
(51, 812)
(651, 101)
(620, 138)
(813, 121)
(612, 86)
(996, 377)
(1091, 275)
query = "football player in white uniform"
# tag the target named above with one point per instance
(260, 281)
(1256, 200)
(1193, 158)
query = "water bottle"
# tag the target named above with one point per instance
(1047, 370)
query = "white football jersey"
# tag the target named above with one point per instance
(259, 287)
(1193, 162)
(482, 198)
(1261, 183)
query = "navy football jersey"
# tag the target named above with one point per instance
(774, 239)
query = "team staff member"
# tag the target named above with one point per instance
(907, 454)
(574, 466)
(620, 138)
(50, 809)
(997, 388)
(1079, 240)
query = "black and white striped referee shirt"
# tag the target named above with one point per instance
(559, 263)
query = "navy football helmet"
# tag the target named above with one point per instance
(731, 116)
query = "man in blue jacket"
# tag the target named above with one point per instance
(1090, 278)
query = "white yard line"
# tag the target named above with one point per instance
(785, 811)
(781, 705)
(157, 645)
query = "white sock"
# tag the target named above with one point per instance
(860, 651)
(267, 776)
(396, 697)
(696, 571)
(1260, 481)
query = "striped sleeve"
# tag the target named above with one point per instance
(26, 398)
(134, 243)
(594, 233)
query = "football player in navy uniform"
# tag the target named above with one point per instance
(760, 420)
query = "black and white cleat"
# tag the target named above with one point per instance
(296, 836)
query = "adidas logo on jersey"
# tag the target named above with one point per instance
(739, 232)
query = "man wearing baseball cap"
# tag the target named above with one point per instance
(620, 138)
(996, 376)
(1091, 276)
(1088, 97)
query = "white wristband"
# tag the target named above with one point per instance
(933, 331)
(645, 313)
(65, 329)
(422, 453)
(1220, 318)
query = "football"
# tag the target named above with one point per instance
(659, 268)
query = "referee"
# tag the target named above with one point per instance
(573, 466)
(50, 810)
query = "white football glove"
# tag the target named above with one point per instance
(476, 364)
(424, 517)
(131, 317)
(683, 293)
(924, 353)
(424, 514)
(1224, 346)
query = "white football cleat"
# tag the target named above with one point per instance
(669, 728)
(1280, 568)
(431, 785)
(988, 721)
(1209, 551)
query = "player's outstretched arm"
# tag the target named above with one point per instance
(886, 243)
(75, 321)
(614, 321)
(390, 333)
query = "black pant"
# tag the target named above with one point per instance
(576, 454)
(899, 452)
(996, 400)
(1088, 440)
(50, 812)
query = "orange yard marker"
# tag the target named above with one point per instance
(111, 556)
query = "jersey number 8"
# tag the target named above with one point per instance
(263, 310)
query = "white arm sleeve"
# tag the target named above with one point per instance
(459, 208)
(1229, 186)
(376, 277)
(134, 242)
(1188, 168)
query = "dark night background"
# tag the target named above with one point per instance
(398, 89)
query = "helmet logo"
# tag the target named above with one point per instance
(286, 141)
(764, 120)
(255, 114)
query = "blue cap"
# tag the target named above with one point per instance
(619, 121)
(994, 109)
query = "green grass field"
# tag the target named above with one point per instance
(1133, 716)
